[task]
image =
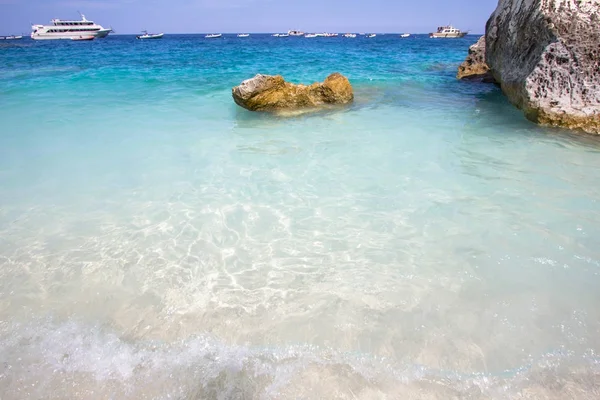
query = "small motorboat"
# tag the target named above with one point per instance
(213, 36)
(83, 38)
(350, 35)
(147, 35)
(310, 35)
(372, 35)
(243, 35)
(405, 35)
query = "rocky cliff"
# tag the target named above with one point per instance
(545, 55)
(474, 67)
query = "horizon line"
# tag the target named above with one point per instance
(269, 33)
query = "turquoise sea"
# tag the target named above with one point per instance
(159, 242)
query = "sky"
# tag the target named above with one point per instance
(252, 16)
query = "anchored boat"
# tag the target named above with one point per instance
(68, 29)
(146, 35)
(447, 31)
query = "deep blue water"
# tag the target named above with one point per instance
(157, 241)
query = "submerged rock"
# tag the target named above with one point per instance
(272, 93)
(474, 66)
(545, 55)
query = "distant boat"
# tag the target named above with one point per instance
(147, 35)
(280, 35)
(11, 37)
(243, 35)
(213, 36)
(310, 35)
(372, 35)
(83, 38)
(405, 35)
(447, 31)
(295, 33)
(350, 35)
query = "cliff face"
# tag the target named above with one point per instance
(474, 66)
(545, 55)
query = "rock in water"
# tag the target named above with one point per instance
(474, 66)
(545, 55)
(272, 93)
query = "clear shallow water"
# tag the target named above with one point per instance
(156, 241)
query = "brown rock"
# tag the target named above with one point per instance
(545, 54)
(272, 93)
(474, 66)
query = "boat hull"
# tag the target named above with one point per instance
(54, 37)
(102, 33)
(150, 37)
(83, 38)
(437, 35)
(70, 36)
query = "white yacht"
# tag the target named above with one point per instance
(447, 31)
(405, 35)
(350, 35)
(68, 29)
(295, 33)
(213, 36)
(242, 35)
